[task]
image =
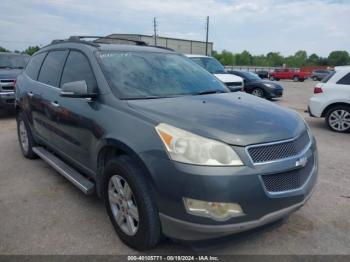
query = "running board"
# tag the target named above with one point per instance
(68, 172)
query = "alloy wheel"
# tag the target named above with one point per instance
(339, 120)
(23, 136)
(258, 92)
(123, 205)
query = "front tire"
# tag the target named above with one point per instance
(130, 204)
(258, 92)
(338, 119)
(25, 138)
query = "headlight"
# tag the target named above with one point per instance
(185, 147)
(268, 85)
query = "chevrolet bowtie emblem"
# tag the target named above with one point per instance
(301, 162)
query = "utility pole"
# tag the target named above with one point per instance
(207, 36)
(155, 30)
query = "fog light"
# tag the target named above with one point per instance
(214, 210)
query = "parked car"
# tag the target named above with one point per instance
(287, 73)
(254, 85)
(165, 144)
(234, 83)
(262, 74)
(11, 65)
(318, 75)
(331, 100)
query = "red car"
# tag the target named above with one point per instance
(288, 73)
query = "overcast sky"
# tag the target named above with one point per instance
(258, 26)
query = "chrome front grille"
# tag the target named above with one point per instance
(278, 150)
(290, 180)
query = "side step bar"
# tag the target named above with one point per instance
(68, 172)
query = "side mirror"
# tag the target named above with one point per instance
(76, 89)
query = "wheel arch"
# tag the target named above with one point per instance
(324, 112)
(110, 148)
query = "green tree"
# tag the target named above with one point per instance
(31, 50)
(3, 49)
(338, 58)
(274, 59)
(313, 60)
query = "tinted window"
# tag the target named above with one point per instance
(326, 79)
(51, 68)
(140, 75)
(345, 80)
(34, 65)
(77, 68)
(13, 61)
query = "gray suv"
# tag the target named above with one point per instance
(11, 65)
(163, 142)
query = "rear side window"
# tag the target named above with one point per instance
(77, 68)
(34, 65)
(51, 68)
(326, 79)
(345, 80)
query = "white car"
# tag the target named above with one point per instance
(332, 100)
(233, 82)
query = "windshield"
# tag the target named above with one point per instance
(210, 64)
(251, 76)
(13, 61)
(142, 75)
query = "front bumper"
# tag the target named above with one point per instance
(7, 99)
(190, 231)
(242, 185)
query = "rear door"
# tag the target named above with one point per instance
(77, 129)
(45, 102)
(343, 87)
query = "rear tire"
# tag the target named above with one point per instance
(296, 79)
(338, 119)
(315, 78)
(25, 138)
(145, 226)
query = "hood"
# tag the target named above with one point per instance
(228, 78)
(261, 82)
(234, 118)
(9, 73)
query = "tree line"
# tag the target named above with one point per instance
(275, 59)
(29, 51)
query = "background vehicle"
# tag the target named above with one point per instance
(182, 155)
(332, 100)
(318, 75)
(287, 73)
(11, 65)
(234, 83)
(254, 85)
(262, 74)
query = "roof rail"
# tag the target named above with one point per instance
(99, 39)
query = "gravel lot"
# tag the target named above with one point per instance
(42, 213)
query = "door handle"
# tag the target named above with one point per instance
(30, 94)
(55, 104)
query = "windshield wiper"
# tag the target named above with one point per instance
(210, 91)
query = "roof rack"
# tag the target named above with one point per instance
(99, 40)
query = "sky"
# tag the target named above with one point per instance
(258, 26)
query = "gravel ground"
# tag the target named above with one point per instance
(42, 213)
